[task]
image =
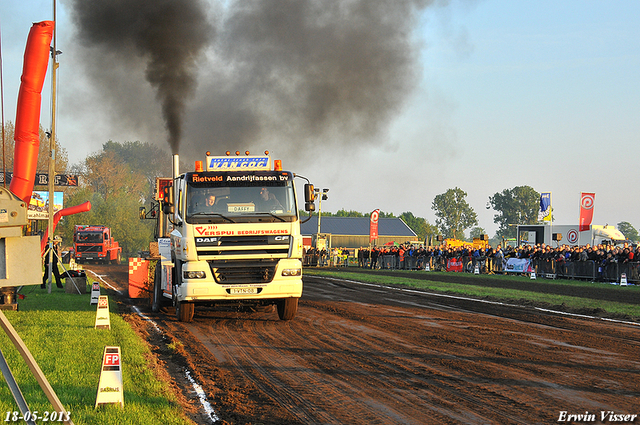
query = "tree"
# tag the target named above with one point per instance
(120, 214)
(476, 231)
(117, 182)
(146, 159)
(454, 215)
(62, 157)
(419, 225)
(519, 205)
(345, 213)
(108, 175)
(384, 215)
(628, 231)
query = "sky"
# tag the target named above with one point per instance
(387, 107)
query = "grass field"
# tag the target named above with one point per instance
(58, 329)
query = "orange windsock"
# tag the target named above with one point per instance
(58, 215)
(36, 59)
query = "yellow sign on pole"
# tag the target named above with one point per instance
(102, 313)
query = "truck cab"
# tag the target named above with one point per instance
(95, 243)
(234, 238)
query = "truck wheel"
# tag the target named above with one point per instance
(118, 259)
(287, 308)
(184, 311)
(156, 295)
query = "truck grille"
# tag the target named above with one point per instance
(89, 248)
(243, 245)
(243, 271)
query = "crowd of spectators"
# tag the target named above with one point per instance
(489, 259)
(411, 257)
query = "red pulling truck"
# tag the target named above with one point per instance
(95, 243)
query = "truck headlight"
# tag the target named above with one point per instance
(292, 272)
(194, 274)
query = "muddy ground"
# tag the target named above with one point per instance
(361, 354)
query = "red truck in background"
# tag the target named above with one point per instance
(95, 243)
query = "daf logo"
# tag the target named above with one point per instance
(208, 240)
(282, 238)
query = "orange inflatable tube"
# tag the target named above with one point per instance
(56, 218)
(27, 137)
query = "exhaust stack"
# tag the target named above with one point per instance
(176, 165)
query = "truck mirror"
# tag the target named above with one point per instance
(167, 208)
(167, 194)
(142, 214)
(309, 194)
(167, 200)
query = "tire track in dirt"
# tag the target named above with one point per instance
(242, 355)
(419, 371)
(289, 377)
(363, 375)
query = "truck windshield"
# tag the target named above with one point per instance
(267, 196)
(90, 237)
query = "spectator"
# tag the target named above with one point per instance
(345, 257)
(499, 256)
(55, 271)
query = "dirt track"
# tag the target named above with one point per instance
(360, 354)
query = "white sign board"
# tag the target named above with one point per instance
(164, 248)
(110, 386)
(238, 163)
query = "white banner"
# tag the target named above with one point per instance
(517, 265)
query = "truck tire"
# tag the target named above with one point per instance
(287, 308)
(184, 311)
(118, 259)
(156, 294)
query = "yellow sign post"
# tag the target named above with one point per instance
(102, 313)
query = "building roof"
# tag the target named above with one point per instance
(356, 226)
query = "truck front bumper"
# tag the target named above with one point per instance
(286, 283)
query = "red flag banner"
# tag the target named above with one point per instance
(454, 265)
(586, 210)
(373, 225)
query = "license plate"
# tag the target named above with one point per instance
(243, 290)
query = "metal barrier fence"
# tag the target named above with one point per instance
(583, 270)
(588, 270)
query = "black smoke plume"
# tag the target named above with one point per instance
(286, 74)
(167, 35)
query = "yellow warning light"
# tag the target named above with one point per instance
(246, 153)
(228, 153)
(208, 153)
(198, 166)
(277, 165)
(266, 152)
(237, 153)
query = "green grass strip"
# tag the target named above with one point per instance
(504, 294)
(58, 329)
